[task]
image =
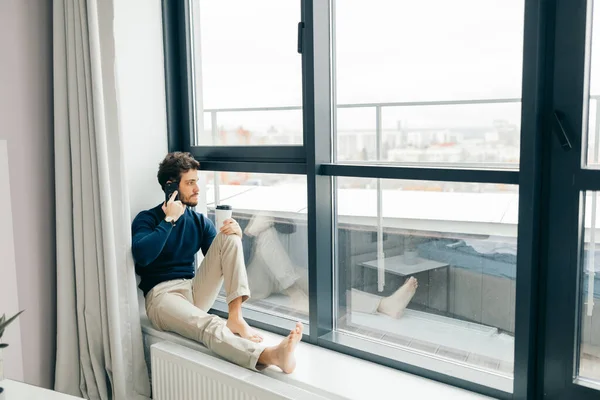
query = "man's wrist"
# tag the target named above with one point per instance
(170, 220)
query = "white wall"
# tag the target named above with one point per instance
(142, 102)
(27, 126)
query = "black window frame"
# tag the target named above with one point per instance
(542, 358)
(569, 178)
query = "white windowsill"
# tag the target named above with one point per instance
(338, 376)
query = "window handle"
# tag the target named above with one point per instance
(561, 133)
(300, 36)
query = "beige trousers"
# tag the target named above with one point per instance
(182, 305)
(364, 302)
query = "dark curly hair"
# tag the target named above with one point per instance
(173, 165)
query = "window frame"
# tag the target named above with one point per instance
(181, 98)
(532, 365)
(570, 178)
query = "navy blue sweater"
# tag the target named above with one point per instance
(163, 252)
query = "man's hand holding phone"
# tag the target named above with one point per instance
(173, 209)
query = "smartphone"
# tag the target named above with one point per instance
(170, 187)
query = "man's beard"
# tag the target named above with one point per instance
(190, 202)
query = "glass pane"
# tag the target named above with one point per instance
(251, 128)
(271, 210)
(397, 76)
(242, 67)
(588, 357)
(430, 267)
(593, 143)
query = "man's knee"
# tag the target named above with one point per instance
(229, 239)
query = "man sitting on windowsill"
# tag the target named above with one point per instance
(178, 296)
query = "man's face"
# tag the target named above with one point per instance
(188, 188)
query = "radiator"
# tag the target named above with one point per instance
(179, 373)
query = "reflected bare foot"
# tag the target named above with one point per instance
(298, 298)
(395, 304)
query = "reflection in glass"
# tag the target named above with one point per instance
(271, 271)
(436, 262)
(271, 210)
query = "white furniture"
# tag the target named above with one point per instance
(14, 390)
(396, 265)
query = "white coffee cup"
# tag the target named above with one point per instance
(222, 213)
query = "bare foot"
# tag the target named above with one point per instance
(282, 355)
(241, 327)
(395, 304)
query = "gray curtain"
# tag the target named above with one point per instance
(99, 339)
